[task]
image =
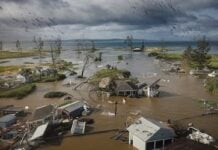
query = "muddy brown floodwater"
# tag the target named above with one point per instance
(179, 100)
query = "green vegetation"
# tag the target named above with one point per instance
(113, 74)
(57, 77)
(213, 62)
(54, 94)
(120, 57)
(18, 92)
(8, 54)
(9, 68)
(212, 85)
(64, 65)
(153, 54)
(65, 103)
(166, 56)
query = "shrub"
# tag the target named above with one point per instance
(120, 57)
(54, 94)
(153, 54)
(212, 85)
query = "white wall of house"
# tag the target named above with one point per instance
(138, 143)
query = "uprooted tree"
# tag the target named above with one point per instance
(39, 46)
(55, 50)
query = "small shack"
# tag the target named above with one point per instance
(74, 109)
(78, 127)
(7, 121)
(147, 134)
(125, 88)
(43, 114)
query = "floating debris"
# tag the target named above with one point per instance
(199, 136)
(108, 114)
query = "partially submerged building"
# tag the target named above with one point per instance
(125, 88)
(18, 111)
(74, 109)
(146, 134)
(7, 121)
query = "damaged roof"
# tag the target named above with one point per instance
(122, 85)
(150, 130)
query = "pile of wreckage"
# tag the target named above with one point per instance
(11, 125)
(22, 134)
(198, 136)
(174, 67)
(51, 121)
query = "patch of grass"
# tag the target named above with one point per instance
(153, 54)
(10, 54)
(18, 92)
(54, 94)
(213, 62)
(170, 56)
(212, 85)
(64, 65)
(9, 68)
(166, 56)
(112, 73)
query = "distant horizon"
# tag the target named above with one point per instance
(111, 39)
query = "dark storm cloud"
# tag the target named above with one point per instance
(129, 15)
(15, 1)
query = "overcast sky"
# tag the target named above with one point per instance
(109, 19)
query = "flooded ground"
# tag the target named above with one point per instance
(179, 100)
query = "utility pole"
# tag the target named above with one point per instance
(115, 108)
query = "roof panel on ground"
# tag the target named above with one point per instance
(39, 132)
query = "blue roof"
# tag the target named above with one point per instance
(7, 118)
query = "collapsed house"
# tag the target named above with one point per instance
(43, 114)
(146, 134)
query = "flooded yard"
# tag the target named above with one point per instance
(178, 100)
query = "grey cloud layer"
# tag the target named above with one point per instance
(128, 15)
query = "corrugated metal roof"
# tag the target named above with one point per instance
(7, 118)
(72, 106)
(150, 130)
